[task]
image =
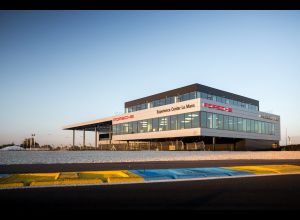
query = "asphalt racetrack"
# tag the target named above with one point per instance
(271, 192)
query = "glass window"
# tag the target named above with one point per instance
(220, 122)
(121, 128)
(179, 98)
(155, 124)
(195, 120)
(203, 120)
(273, 128)
(235, 123)
(263, 130)
(118, 129)
(268, 128)
(143, 126)
(187, 120)
(219, 99)
(114, 129)
(173, 124)
(149, 128)
(244, 125)
(252, 126)
(230, 123)
(186, 97)
(162, 102)
(210, 97)
(226, 122)
(227, 101)
(259, 127)
(231, 102)
(133, 108)
(240, 124)
(129, 127)
(181, 121)
(223, 100)
(134, 127)
(256, 126)
(143, 106)
(248, 126)
(209, 120)
(203, 95)
(198, 94)
(130, 109)
(193, 95)
(215, 120)
(170, 100)
(125, 128)
(214, 98)
(162, 124)
(167, 100)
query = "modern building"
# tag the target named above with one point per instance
(191, 117)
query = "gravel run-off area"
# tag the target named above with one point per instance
(53, 157)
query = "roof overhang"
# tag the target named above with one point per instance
(90, 125)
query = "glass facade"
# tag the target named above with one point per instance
(195, 120)
(189, 96)
(232, 123)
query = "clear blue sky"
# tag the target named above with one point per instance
(63, 67)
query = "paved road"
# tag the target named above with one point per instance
(268, 192)
(31, 168)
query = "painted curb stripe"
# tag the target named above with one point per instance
(186, 173)
(24, 180)
(267, 169)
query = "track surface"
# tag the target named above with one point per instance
(269, 192)
(256, 192)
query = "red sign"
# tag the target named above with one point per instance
(123, 117)
(222, 108)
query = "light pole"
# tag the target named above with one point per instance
(33, 135)
(286, 137)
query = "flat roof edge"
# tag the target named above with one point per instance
(191, 88)
(87, 123)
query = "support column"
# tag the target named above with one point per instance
(83, 137)
(110, 134)
(214, 142)
(95, 137)
(73, 138)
